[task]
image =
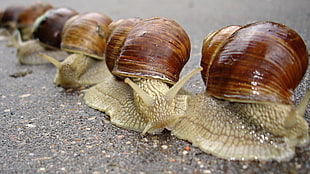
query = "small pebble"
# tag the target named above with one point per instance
(207, 171)
(185, 152)
(164, 146)
(24, 95)
(41, 169)
(187, 148)
(31, 125)
(172, 160)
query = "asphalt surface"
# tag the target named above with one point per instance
(46, 129)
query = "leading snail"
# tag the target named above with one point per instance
(8, 21)
(10, 16)
(247, 110)
(47, 31)
(84, 38)
(146, 58)
(19, 20)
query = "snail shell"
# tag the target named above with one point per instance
(47, 37)
(150, 55)
(48, 27)
(10, 16)
(1, 15)
(84, 38)
(261, 62)
(93, 26)
(28, 16)
(247, 111)
(136, 56)
(3, 32)
(119, 30)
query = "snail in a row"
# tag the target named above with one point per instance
(84, 38)
(47, 33)
(247, 110)
(10, 16)
(146, 58)
(8, 22)
(18, 20)
(27, 17)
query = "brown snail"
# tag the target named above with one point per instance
(247, 110)
(84, 38)
(47, 31)
(28, 16)
(149, 55)
(8, 21)
(10, 16)
(2, 30)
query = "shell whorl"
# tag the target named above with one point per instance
(153, 48)
(260, 62)
(48, 27)
(86, 33)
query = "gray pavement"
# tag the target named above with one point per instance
(45, 129)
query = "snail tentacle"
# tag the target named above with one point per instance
(172, 92)
(147, 99)
(52, 60)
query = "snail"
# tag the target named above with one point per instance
(8, 21)
(10, 16)
(28, 16)
(247, 111)
(2, 31)
(145, 57)
(84, 38)
(47, 31)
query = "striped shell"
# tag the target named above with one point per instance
(118, 32)
(10, 16)
(259, 62)
(86, 34)
(27, 18)
(30, 13)
(48, 27)
(153, 48)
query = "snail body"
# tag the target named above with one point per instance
(47, 31)
(145, 57)
(247, 110)
(84, 39)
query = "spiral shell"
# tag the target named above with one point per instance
(211, 44)
(154, 48)
(28, 16)
(48, 27)
(86, 33)
(259, 62)
(1, 15)
(10, 16)
(119, 30)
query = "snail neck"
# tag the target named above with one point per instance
(70, 71)
(15, 39)
(156, 102)
(153, 105)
